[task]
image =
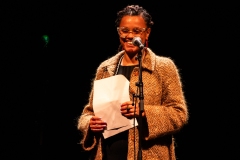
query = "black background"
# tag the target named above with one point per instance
(44, 87)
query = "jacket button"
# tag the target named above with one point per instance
(136, 73)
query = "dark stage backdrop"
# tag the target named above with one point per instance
(46, 82)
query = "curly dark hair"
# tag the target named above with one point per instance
(134, 10)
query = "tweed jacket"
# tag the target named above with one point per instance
(164, 106)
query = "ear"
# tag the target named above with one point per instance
(148, 31)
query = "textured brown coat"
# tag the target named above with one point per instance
(164, 106)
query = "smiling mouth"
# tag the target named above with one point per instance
(129, 43)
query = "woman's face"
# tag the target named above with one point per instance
(130, 27)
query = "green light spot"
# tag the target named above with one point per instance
(45, 38)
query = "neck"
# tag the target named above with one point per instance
(130, 59)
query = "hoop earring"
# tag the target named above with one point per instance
(146, 43)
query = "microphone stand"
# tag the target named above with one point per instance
(141, 104)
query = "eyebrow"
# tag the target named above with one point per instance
(134, 27)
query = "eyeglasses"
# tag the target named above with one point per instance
(124, 31)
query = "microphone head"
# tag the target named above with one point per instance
(137, 42)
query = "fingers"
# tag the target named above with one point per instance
(96, 124)
(94, 119)
(126, 107)
(128, 110)
(97, 127)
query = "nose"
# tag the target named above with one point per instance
(130, 34)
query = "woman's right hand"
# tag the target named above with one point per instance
(96, 124)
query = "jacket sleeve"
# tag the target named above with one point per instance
(170, 114)
(89, 140)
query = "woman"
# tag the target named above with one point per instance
(165, 111)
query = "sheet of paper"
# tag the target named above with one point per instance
(109, 94)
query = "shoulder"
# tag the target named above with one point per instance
(161, 61)
(107, 67)
(165, 66)
(111, 60)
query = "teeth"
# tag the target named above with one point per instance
(129, 42)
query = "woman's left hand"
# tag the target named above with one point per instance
(128, 110)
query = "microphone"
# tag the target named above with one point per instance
(138, 42)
